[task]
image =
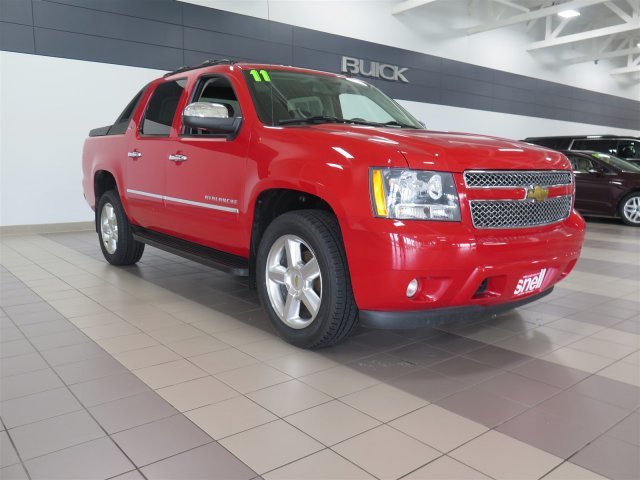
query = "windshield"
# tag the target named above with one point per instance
(617, 162)
(284, 97)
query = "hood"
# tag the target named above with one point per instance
(454, 152)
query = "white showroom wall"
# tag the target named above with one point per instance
(48, 105)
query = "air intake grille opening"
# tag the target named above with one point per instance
(482, 289)
(519, 213)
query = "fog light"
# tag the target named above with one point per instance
(412, 288)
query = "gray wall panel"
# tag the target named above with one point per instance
(308, 58)
(93, 22)
(426, 79)
(168, 11)
(466, 70)
(590, 108)
(552, 100)
(16, 11)
(468, 85)
(513, 80)
(237, 47)
(150, 33)
(106, 50)
(192, 57)
(16, 38)
(512, 94)
(233, 24)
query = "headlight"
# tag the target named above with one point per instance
(414, 195)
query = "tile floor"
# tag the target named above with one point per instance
(169, 370)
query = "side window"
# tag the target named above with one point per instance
(604, 146)
(216, 90)
(573, 161)
(121, 124)
(629, 149)
(162, 108)
(581, 164)
(359, 106)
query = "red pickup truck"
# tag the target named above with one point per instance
(336, 203)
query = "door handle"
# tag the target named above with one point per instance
(134, 154)
(178, 158)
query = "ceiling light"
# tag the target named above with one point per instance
(569, 13)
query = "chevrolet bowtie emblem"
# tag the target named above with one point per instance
(537, 193)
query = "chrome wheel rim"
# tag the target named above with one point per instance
(294, 281)
(109, 228)
(631, 209)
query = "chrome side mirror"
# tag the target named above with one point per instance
(210, 116)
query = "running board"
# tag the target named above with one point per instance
(211, 257)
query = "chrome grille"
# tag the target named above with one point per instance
(515, 178)
(519, 213)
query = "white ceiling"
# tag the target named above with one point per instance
(605, 29)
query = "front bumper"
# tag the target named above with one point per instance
(455, 264)
(438, 316)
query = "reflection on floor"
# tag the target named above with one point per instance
(170, 370)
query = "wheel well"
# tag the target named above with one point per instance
(271, 204)
(625, 195)
(103, 182)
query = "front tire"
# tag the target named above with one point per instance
(114, 231)
(629, 209)
(303, 279)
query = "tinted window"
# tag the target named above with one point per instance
(554, 143)
(629, 149)
(121, 124)
(604, 146)
(162, 108)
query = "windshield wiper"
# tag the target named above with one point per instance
(324, 119)
(316, 119)
(394, 123)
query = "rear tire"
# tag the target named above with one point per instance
(114, 231)
(629, 209)
(303, 279)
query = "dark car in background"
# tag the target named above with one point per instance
(606, 186)
(627, 148)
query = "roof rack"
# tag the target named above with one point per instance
(206, 63)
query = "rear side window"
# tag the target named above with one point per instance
(162, 108)
(604, 146)
(629, 149)
(554, 143)
(121, 124)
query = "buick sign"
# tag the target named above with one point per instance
(357, 66)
